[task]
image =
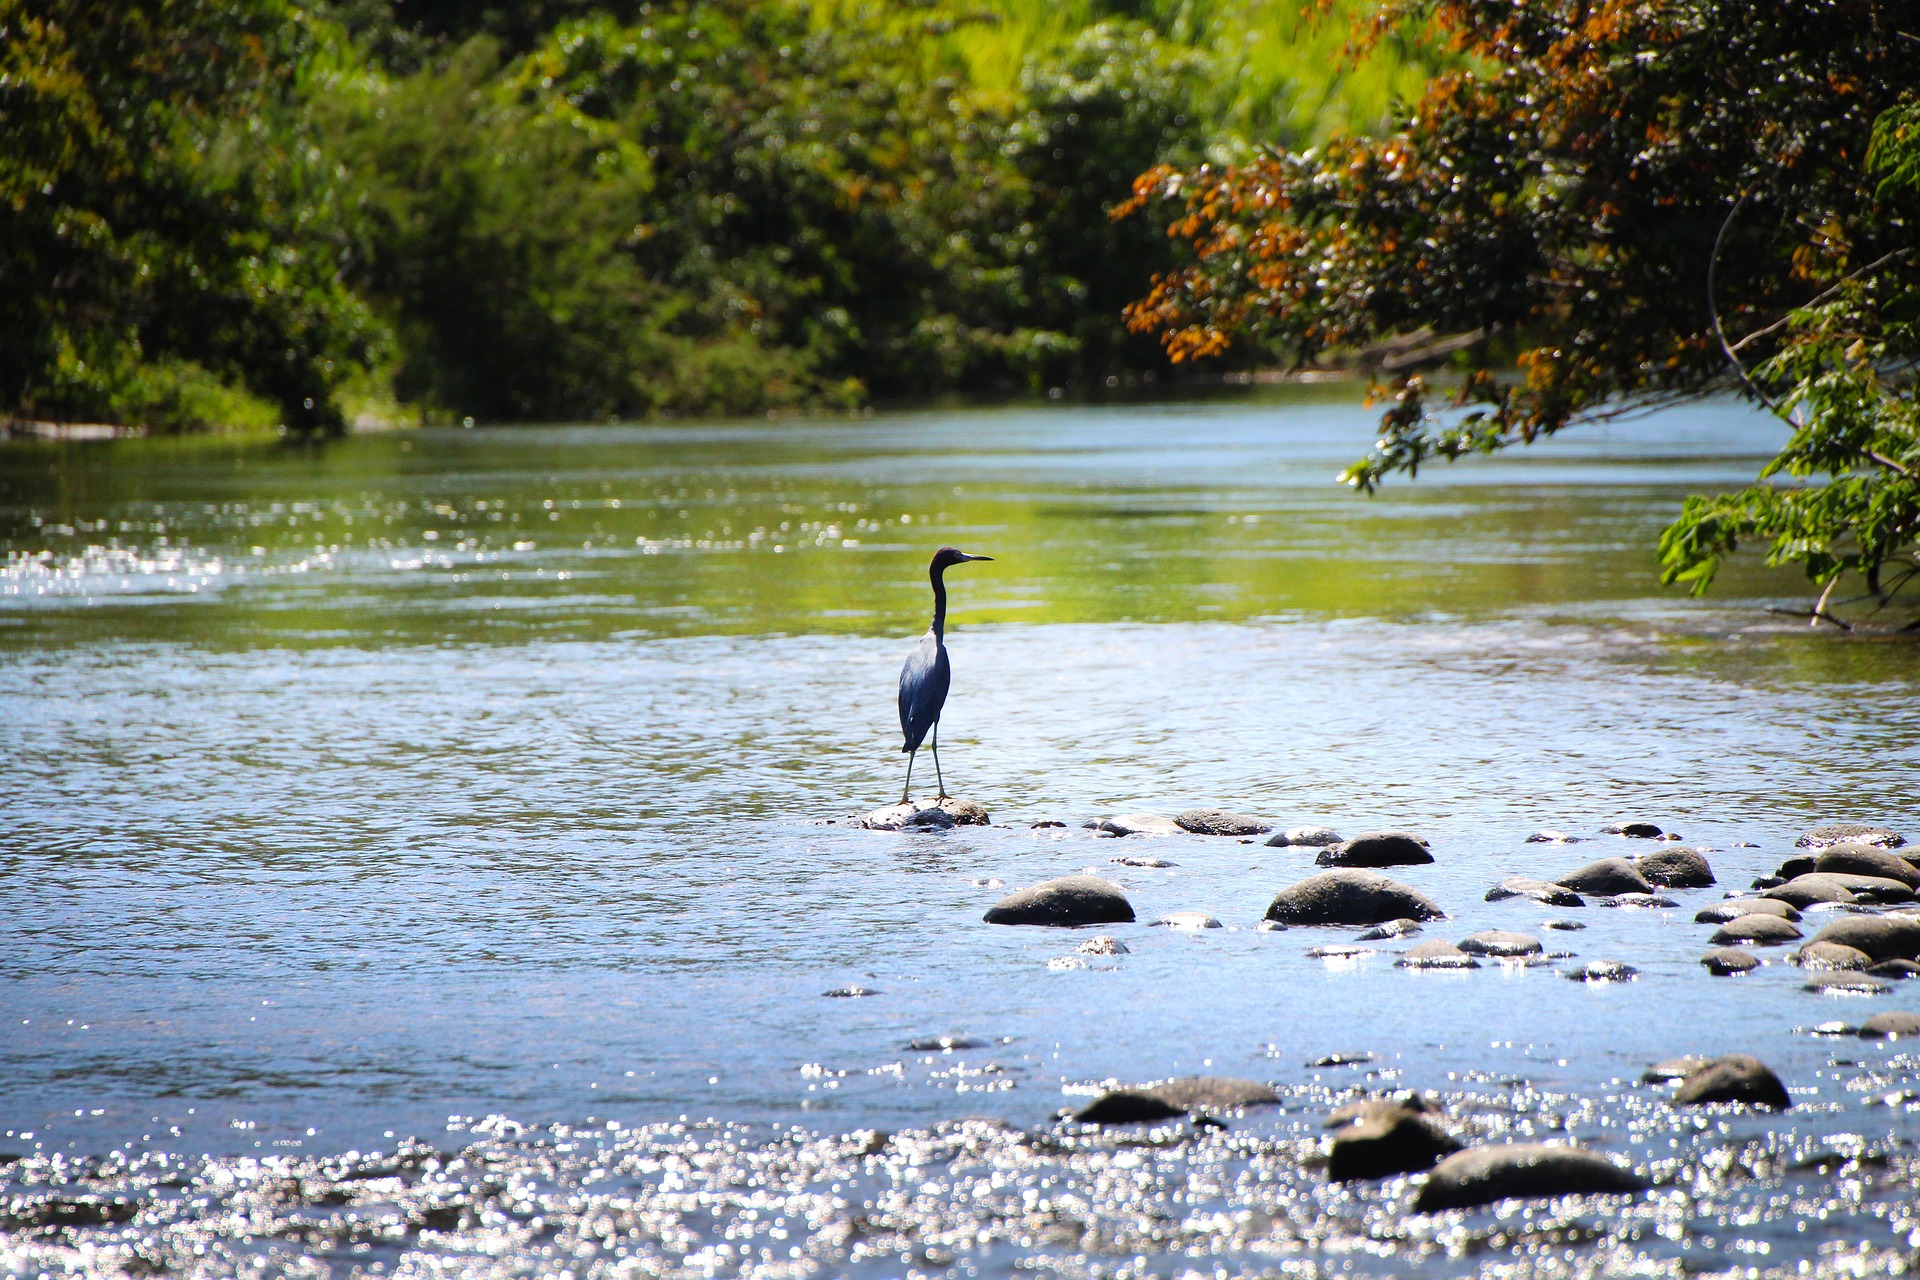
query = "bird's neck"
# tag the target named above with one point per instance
(939, 603)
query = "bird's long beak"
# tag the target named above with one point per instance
(965, 556)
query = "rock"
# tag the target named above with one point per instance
(946, 1044)
(1805, 864)
(1377, 849)
(1215, 1093)
(1386, 1139)
(1734, 908)
(1738, 1077)
(1850, 833)
(1884, 937)
(1436, 954)
(1846, 984)
(1391, 929)
(965, 813)
(1143, 862)
(1564, 925)
(1635, 830)
(1552, 837)
(1722, 961)
(1307, 837)
(1673, 1070)
(1609, 875)
(1350, 896)
(1542, 891)
(1866, 860)
(849, 993)
(1064, 903)
(1894, 970)
(1757, 930)
(1342, 1060)
(1602, 971)
(1339, 951)
(1139, 824)
(1219, 822)
(1832, 955)
(1127, 1106)
(1637, 900)
(1498, 942)
(1188, 920)
(1103, 945)
(908, 817)
(1045, 823)
(1522, 1171)
(1675, 869)
(1869, 888)
(1804, 891)
(1890, 1023)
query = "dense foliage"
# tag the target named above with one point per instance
(292, 210)
(1559, 205)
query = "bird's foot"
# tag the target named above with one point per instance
(942, 796)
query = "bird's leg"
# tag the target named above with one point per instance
(909, 783)
(936, 762)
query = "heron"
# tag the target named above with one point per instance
(926, 675)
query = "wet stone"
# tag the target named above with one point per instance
(965, 813)
(1139, 824)
(1602, 971)
(1890, 1023)
(1723, 961)
(1103, 945)
(849, 993)
(1884, 937)
(1867, 860)
(1216, 1093)
(1565, 926)
(1850, 833)
(1127, 1106)
(1220, 822)
(1499, 942)
(1552, 837)
(1306, 837)
(1634, 830)
(1847, 984)
(1377, 849)
(1805, 890)
(1436, 954)
(946, 1044)
(1143, 862)
(1734, 908)
(1522, 1171)
(1637, 901)
(1736, 1078)
(1391, 929)
(1188, 920)
(1350, 896)
(1063, 903)
(1864, 888)
(1675, 869)
(1832, 955)
(1046, 823)
(1339, 951)
(1607, 876)
(1388, 1139)
(908, 817)
(1541, 891)
(1894, 970)
(1757, 930)
(1342, 1060)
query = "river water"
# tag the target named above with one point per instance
(427, 853)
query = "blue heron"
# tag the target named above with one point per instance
(925, 677)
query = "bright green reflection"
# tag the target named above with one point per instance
(1210, 511)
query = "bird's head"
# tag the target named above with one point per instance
(948, 556)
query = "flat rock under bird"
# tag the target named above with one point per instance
(925, 677)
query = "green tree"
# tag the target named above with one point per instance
(1555, 205)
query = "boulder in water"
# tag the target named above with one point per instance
(1850, 833)
(1350, 896)
(1846, 984)
(1635, 830)
(1377, 849)
(1675, 869)
(1738, 1078)
(1385, 1139)
(1867, 860)
(1522, 1171)
(1832, 955)
(1734, 908)
(1064, 903)
(908, 817)
(1436, 954)
(1139, 824)
(1723, 961)
(1541, 891)
(1895, 936)
(1220, 822)
(1501, 943)
(1757, 930)
(1306, 837)
(1608, 875)
(1889, 1023)
(1602, 971)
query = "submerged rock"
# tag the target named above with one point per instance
(1850, 833)
(1103, 945)
(1388, 1138)
(1306, 837)
(965, 813)
(1757, 930)
(1737, 1077)
(1552, 837)
(1602, 971)
(1391, 929)
(1499, 942)
(1188, 920)
(1127, 1106)
(1377, 849)
(1542, 891)
(1436, 954)
(1637, 901)
(908, 817)
(1846, 984)
(1890, 1023)
(1568, 926)
(1884, 937)
(1175, 1098)
(1608, 875)
(1722, 961)
(1522, 1171)
(1675, 869)
(1867, 860)
(1350, 896)
(1064, 903)
(1896, 970)
(1636, 830)
(1152, 863)
(1339, 951)
(1734, 908)
(1220, 822)
(1139, 824)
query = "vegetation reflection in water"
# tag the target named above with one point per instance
(1211, 511)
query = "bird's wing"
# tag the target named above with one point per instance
(923, 689)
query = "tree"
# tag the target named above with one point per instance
(1551, 215)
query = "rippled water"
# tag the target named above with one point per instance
(479, 789)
